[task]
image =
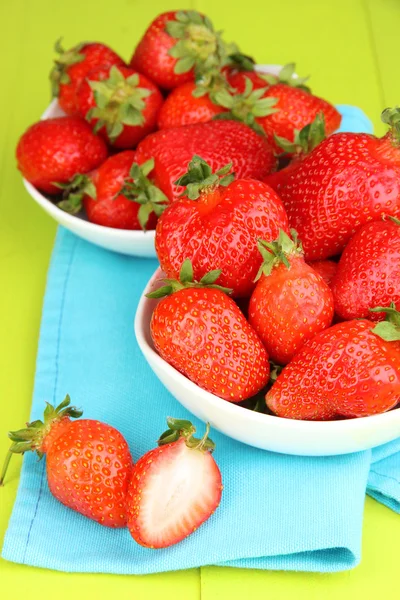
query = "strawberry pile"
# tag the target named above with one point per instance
(130, 130)
(162, 499)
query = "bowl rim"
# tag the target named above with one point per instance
(340, 425)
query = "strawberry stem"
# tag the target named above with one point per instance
(181, 428)
(278, 252)
(389, 329)
(391, 116)
(306, 139)
(5, 467)
(186, 281)
(199, 178)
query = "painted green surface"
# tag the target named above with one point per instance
(350, 48)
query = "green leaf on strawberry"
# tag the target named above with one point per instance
(388, 330)
(200, 178)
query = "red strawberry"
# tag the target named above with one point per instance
(123, 195)
(368, 272)
(121, 104)
(347, 370)
(73, 65)
(202, 333)
(284, 107)
(217, 142)
(183, 107)
(218, 225)
(174, 488)
(291, 302)
(325, 268)
(56, 150)
(305, 140)
(346, 181)
(88, 463)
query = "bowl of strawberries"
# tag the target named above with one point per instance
(106, 156)
(287, 345)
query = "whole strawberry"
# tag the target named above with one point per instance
(346, 181)
(326, 269)
(175, 43)
(53, 151)
(174, 488)
(202, 333)
(217, 142)
(217, 225)
(291, 302)
(368, 273)
(120, 104)
(349, 370)
(88, 463)
(124, 197)
(72, 66)
(185, 106)
(280, 108)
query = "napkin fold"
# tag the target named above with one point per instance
(277, 511)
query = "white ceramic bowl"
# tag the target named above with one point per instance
(133, 243)
(309, 438)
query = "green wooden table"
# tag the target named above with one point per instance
(350, 48)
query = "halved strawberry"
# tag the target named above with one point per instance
(174, 488)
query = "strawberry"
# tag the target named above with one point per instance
(346, 181)
(349, 370)
(174, 488)
(325, 268)
(217, 225)
(291, 302)
(88, 463)
(368, 273)
(281, 107)
(72, 66)
(123, 196)
(120, 104)
(52, 152)
(217, 142)
(184, 106)
(202, 333)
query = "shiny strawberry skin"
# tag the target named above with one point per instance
(55, 150)
(346, 181)
(220, 231)
(182, 108)
(237, 80)
(88, 467)
(96, 55)
(203, 334)
(289, 307)
(325, 268)
(368, 273)
(344, 371)
(164, 464)
(217, 142)
(151, 55)
(110, 208)
(131, 134)
(296, 108)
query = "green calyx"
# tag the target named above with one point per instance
(59, 73)
(139, 188)
(389, 329)
(246, 107)
(288, 77)
(119, 102)
(197, 42)
(180, 428)
(186, 281)
(73, 193)
(305, 139)
(210, 82)
(199, 178)
(391, 117)
(31, 437)
(278, 252)
(240, 62)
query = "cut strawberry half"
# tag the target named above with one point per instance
(174, 488)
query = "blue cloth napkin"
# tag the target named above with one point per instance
(277, 511)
